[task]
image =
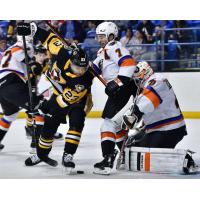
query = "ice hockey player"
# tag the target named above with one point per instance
(117, 66)
(14, 93)
(157, 105)
(72, 82)
(40, 64)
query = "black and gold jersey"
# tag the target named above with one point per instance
(72, 88)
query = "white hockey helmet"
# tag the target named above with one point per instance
(143, 71)
(107, 28)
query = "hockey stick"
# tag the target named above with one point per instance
(28, 70)
(67, 44)
(119, 160)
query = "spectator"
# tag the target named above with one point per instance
(128, 38)
(3, 46)
(137, 51)
(56, 24)
(181, 36)
(72, 30)
(147, 28)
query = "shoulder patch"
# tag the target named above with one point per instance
(152, 82)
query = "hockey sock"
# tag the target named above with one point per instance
(120, 137)
(72, 140)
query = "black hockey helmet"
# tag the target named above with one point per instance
(80, 61)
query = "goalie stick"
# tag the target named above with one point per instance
(119, 160)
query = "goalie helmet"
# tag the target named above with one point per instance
(107, 28)
(143, 71)
(79, 61)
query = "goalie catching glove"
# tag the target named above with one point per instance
(131, 117)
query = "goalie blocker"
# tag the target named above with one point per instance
(159, 160)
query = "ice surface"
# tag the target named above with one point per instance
(89, 152)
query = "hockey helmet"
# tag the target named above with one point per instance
(79, 61)
(107, 29)
(143, 71)
(104, 30)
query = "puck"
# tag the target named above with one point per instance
(80, 172)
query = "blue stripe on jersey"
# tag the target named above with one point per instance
(10, 70)
(124, 58)
(4, 120)
(162, 122)
(152, 90)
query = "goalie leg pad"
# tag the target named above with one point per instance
(158, 160)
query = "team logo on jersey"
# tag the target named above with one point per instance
(55, 74)
(79, 88)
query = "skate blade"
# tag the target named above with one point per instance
(194, 170)
(105, 171)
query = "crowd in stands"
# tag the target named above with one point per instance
(132, 34)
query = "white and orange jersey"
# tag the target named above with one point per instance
(12, 62)
(159, 105)
(114, 60)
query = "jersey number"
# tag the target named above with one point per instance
(70, 97)
(118, 51)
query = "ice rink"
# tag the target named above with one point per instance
(89, 152)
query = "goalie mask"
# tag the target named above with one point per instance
(143, 71)
(79, 62)
(104, 30)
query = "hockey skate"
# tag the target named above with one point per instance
(32, 160)
(104, 167)
(67, 162)
(1, 146)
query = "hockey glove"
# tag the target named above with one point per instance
(25, 29)
(132, 116)
(113, 87)
(129, 121)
